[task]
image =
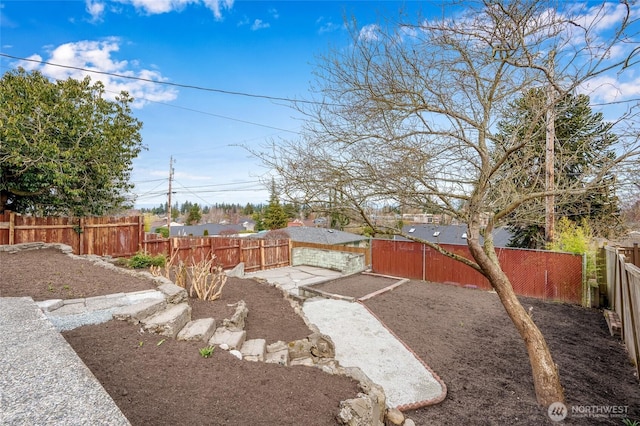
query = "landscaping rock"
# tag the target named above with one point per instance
(278, 357)
(394, 416)
(232, 339)
(174, 294)
(236, 323)
(169, 321)
(137, 312)
(322, 346)
(237, 271)
(198, 330)
(254, 350)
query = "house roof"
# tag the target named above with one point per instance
(309, 234)
(198, 230)
(452, 234)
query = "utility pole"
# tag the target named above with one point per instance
(169, 195)
(549, 223)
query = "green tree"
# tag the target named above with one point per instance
(64, 148)
(274, 216)
(194, 216)
(581, 138)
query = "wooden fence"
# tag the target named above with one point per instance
(623, 288)
(256, 254)
(114, 236)
(533, 273)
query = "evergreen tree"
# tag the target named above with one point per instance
(194, 216)
(274, 215)
(581, 136)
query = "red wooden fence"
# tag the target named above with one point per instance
(114, 236)
(256, 254)
(534, 273)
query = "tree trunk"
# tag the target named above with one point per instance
(546, 378)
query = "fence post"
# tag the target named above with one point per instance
(262, 261)
(12, 228)
(635, 255)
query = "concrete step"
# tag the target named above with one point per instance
(254, 350)
(169, 321)
(139, 311)
(232, 339)
(173, 293)
(198, 330)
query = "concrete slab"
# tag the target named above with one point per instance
(362, 341)
(291, 277)
(42, 380)
(198, 330)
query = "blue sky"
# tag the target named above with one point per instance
(261, 48)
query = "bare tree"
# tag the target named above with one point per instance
(407, 115)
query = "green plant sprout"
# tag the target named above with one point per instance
(206, 352)
(161, 342)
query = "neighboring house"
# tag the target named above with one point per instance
(211, 228)
(308, 234)
(452, 234)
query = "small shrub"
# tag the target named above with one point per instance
(144, 260)
(206, 352)
(164, 231)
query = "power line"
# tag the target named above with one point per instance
(166, 83)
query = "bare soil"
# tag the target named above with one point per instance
(462, 334)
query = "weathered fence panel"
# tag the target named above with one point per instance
(256, 254)
(540, 274)
(623, 291)
(113, 236)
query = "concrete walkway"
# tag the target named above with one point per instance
(362, 341)
(42, 380)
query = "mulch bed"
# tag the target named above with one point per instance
(464, 335)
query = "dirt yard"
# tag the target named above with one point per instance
(462, 334)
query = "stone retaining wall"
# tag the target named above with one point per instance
(345, 262)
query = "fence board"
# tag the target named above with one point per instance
(540, 274)
(114, 236)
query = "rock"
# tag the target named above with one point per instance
(237, 271)
(299, 349)
(322, 346)
(174, 294)
(277, 347)
(356, 412)
(198, 330)
(409, 422)
(254, 350)
(278, 357)
(236, 353)
(232, 339)
(236, 322)
(394, 416)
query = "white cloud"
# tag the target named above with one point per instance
(216, 6)
(95, 8)
(258, 24)
(606, 89)
(369, 32)
(86, 56)
(154, 7)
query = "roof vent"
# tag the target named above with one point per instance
(435, 234)
(464, 236)
(412, 230)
